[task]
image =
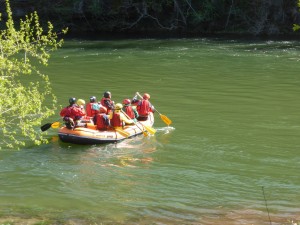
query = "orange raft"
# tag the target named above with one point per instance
(90, 135)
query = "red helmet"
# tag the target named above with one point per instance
(126, 101)
(146, 96)
(103, 109)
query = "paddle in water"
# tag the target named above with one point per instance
(46, 126)
(144, 133)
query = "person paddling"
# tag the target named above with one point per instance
(129, 110)
(71, 114)
(144, 107)
(117, 118)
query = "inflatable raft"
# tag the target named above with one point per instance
(90, 135)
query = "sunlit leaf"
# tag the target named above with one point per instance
(23, 100)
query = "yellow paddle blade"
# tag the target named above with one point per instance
(165, 119)
(122, 132)
(150, 129)
(55, 125)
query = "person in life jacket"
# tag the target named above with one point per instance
(129, 110)
(80, 104)
(107, 102)
(71, 113)
(117, 118)
(144, 107)
(81, 122)
(101, 119)
(90, 111)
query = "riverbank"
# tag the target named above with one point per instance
(235, 217)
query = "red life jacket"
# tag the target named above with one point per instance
(64, 112)
(116, 120)
(77, 112)
(73, 112)
(129, 111)
(89, 109)
(69, 111)
(100, 122)
(144, 108)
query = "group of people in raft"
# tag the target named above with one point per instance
(105, 114)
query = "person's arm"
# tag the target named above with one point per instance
(110, 115)
(152, 109)
(63, 112)
(109, 104)
(136, 114)
(106, 120)
(124, 118)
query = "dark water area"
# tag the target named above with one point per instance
(231, 155)
(225, 36)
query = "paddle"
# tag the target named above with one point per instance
(46, 126)
(149, 129)
(55, 125)
(122, 132)
(163, 117)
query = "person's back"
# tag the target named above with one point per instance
(129, 110)
(144, 107)
(101, 119)
(107, 102)
(79, 110)
(117, 118)
(90, 111)
(69, 113)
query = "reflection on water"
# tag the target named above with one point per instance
(128, 153)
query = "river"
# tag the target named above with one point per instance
(231, 155)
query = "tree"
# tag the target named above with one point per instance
(26, 96)
(296, 27)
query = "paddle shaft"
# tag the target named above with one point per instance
(145, 134)
(122, 132)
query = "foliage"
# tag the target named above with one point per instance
(207, 16)
(24, 91)
(296, 27)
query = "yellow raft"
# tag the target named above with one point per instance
(90, 135)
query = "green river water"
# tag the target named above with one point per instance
(231, 155)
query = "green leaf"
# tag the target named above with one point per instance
(23, 101)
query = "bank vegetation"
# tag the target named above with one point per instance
(255, 17)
